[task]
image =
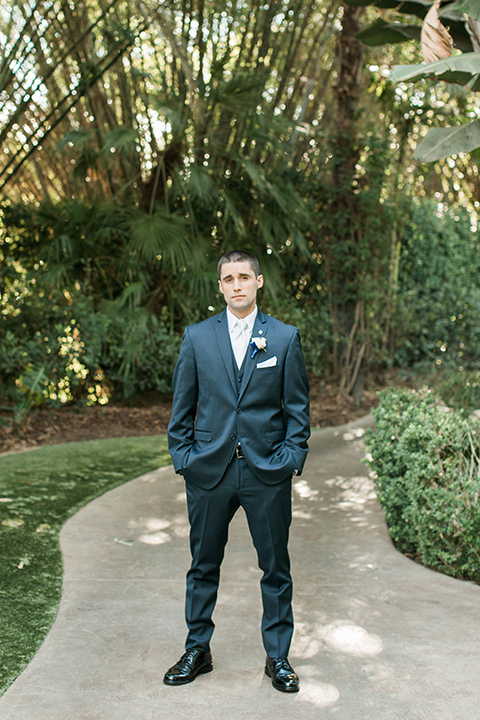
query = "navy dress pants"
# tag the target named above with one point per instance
(268, 509)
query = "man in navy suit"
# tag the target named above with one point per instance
(238, 434)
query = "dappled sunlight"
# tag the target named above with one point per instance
(355, 493)
(307, 642)
(317, 693)
(158, 531)
(158, 538)
(303, 489)
(353, 434)
(352, 639)
(301, 515)
(154, 524)
(362, 565)
(154, 530)
(316, 640)
(303, 492)
(155, 534)
(152, 476)
(342, 635)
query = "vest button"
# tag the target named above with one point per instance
(232, 437)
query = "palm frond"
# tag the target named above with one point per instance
(160, 236)
(121, 139)
(200, 184)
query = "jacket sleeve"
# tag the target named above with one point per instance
(296, 406)
(184, 406)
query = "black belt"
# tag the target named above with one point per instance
(239, 452)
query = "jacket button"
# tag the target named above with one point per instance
(239, 410)
(232, 437)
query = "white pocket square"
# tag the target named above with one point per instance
(271, 362)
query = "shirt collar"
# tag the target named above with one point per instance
(249, 319)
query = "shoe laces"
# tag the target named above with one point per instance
(190, 655)
(281, 664)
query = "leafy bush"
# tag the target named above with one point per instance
(57, 347)
(460, 389)
(315, 327)
(426, 459)
(439, 295)
(138, 353)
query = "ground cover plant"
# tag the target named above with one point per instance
(39, 491)
(426, 459)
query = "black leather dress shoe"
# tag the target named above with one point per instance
(283, 676)
(194, 662)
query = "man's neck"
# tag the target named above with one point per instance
(239, 315)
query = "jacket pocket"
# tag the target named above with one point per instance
(267, 369)
(203, 435)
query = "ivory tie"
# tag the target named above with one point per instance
(240, 338)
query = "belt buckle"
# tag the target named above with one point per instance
(238, 452)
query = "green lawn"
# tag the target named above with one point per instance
(39, 491)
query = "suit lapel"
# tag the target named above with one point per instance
(225, 346)
(259, 330)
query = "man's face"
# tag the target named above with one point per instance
(239, 286)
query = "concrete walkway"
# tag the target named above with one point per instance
(377, 636)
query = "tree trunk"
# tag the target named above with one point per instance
(348, 307)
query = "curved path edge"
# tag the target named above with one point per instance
(377, 636)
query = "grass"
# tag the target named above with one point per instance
(39, 491)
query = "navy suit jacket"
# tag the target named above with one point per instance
(267, 413)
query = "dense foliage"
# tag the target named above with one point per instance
(57, 347)
(438, 290)
(426, 460)
(73, 328)
(143, 140)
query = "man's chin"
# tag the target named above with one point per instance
(242, 307)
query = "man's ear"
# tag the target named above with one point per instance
(259, 282)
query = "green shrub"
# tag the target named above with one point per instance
(58, 347)
(315, 325)
(138, 353)
(426, 460)
(438, 295)
(460, 389)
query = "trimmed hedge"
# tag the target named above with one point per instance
(426, 460)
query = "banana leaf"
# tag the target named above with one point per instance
(448, 141)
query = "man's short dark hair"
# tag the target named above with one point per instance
(239, 256)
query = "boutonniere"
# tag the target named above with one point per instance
(258, 343)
